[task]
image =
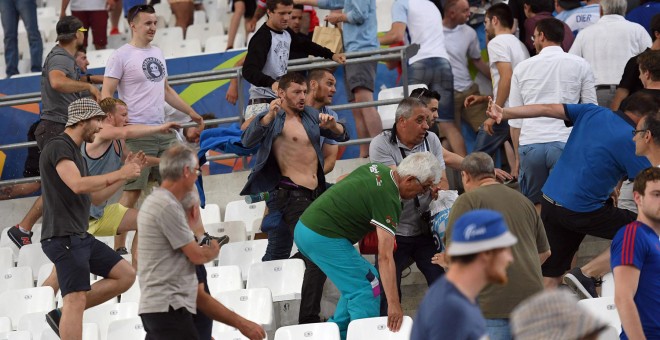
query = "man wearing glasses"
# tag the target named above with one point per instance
(60, 86)
(576, 197)
(138, 72)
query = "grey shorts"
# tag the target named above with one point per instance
(153, 145)
(359, 75)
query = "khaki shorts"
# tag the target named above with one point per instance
(154, 146)
(108, 224)
(474, 115)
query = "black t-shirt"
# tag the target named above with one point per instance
(65, 212)
(630, 78)
(202, 322)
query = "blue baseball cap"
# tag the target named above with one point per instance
(478, 231)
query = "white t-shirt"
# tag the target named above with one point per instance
(508, 49)
(461, 42)
(88, 5)
(423, 20)
(608, 45)
(141, 73)
(553, 76)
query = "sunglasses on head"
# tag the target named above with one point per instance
(133, 12)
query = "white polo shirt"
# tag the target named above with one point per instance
(553, 76)
(608, 44)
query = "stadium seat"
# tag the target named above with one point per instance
(163, 10)
(234, 229)
(17, 303)
(126, 329)
(387, 112)
(255, 305)
(240, 40)
(104, 314)
(204, 30)
(99, 58)
(376, 328)
(384, 15)
(6, 258)
(316, 331)
(5, 242)
(256, 225)
(241, 211)
(109, 241)
(47, 24)
(199, 17)
(610, 333)
(118, 40)
(242, 254)
(181, 48)
(44, 272)
(5, 324)
(607, 288)
(215, 44)
(132, 294)
(211, 214)
(46, 12)
(231, 335)
(16, 278)
(32, 256)
(48, 46)
(35, 323)
(283, 277)
(164, 35)
(90, 332)
(603, 308)
(224, 279)
(16, 335)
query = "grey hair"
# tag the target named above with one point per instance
(614, 7)
(422, 165)
(174, 159)
(190, 200)
(478, 165)
(405, 108)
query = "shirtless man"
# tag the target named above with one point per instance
(292, 174)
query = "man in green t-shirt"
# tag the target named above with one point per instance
(366, 200)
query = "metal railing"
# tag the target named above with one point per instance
(401, 53)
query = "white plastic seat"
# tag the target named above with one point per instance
(6, 258)
(604, 309)
(118, 40)
(607, 288)
(35, 323)
(99, 58)
(16, 278)
(5, 242)
(90, 331)
(211, 214)
(234, 229)
(168, 34)
(109, 241)
(103, 315)
(17, 303)
(283, 277)
(181, 48)
(231, 335)
(5, 324)
(376, 328)
(203, 31)
(46, 12)
(44, 272)
(242, 254)
(255, 305)
(126, 329)
(16, 335)
(132, 294)
(32, 256)
(388, 112)
(316, 331)
(215, 44)
(163, 10)
(224, 279)
(241, 211)
(256, 225)
(199, 17)
(610, 333)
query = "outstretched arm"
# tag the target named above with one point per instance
(527, 111)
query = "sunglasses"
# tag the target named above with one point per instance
(133, 12)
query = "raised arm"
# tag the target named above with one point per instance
(70, 175)
(394, 35)
(134, 131)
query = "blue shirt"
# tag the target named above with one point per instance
(361, 29)
(580, 18)
(638, 245)
(642, 14)
(266, 173)
(599, 152)
(445, 313)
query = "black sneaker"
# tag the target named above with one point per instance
(222, 240)
(53, 320)
(584, 286)
(122, 251)
(19, 237)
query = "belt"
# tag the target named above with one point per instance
(606, 87)
(551, 201)
(260, 101)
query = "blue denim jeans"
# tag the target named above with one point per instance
(498, 329)
(536, 162)
(10, 12)
(490, 144)
(436, 74)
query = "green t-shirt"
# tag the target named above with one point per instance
(350, 209)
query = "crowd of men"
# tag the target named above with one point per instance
(565, 114)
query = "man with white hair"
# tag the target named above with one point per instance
(366, 201)
(608, 44)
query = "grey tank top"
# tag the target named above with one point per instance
(108, 162)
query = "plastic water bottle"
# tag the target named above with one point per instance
(254, 198)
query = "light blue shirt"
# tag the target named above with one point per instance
(361, 29)
(580, 18)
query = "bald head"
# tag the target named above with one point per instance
(457, 12)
